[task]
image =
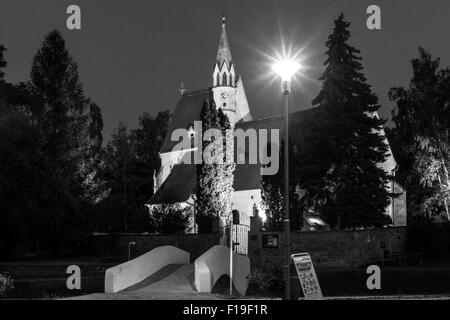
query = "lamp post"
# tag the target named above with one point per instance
(286, 69)
(131, 243)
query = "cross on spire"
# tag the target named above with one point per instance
(182, 90)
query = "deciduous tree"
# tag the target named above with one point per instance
(422, 131)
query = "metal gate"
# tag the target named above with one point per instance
(240, 237)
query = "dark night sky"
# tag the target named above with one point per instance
(133, 55)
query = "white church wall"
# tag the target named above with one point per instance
(244, 201)
(242, 109)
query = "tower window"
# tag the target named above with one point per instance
(224, 79)
(217, 79)
(191, 132)
(231, 80)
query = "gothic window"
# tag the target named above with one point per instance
(231, 79)
(224, 79)
(217, 79)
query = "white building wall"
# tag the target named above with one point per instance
(245, 200)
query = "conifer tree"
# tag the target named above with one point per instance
(354, 183)
(62, 114)
(207, 183)
(2, 61)
(215, 180)
(71, 123)
(226, 169)
(2, 83)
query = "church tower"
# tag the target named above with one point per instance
(224, 78)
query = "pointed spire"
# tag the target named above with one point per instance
(224, 52)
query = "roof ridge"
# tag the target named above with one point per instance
(278, 116)
(195, 91)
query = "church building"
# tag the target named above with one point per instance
(175, 182)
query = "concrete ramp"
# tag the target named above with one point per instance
(214, 263)
(172, 278)
(137, 270)
(175, 281)
(172, 282)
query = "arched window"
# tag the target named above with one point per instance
(217, 79)
(224, 79)
(231, 80)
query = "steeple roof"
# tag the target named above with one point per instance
(224, 52)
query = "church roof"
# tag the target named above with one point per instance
(186, 112)
(178, 186)
(224, 52)
(182, 180)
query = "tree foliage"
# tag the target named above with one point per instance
(227, 167)
(354, 182)
(422, 131)
(169, 219)
(339, 164)
(57, 181)
(49, 152)
(130, 159)
(272, 194)
(2, 61)
(214, 176)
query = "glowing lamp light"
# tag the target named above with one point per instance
(263, 216)
(286, 69)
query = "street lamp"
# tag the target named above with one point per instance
(131, 243)
(286, 69)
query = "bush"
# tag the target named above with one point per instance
(268, 277)
(431, 238)
(168, 219)
(6, 284)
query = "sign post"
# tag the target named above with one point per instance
(307, 276)
(231, 256)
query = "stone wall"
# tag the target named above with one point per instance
(117, 244)
(327, 248)
(331, 248)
